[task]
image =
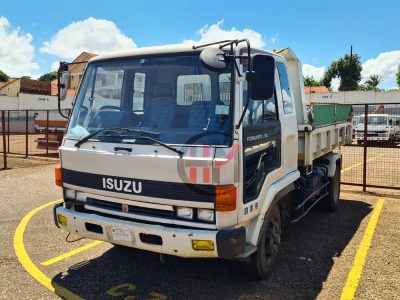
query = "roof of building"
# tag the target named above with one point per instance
(8, 82)
(84, 56)
(316, 89)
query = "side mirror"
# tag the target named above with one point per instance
(63, 82)
(262, 77)
(213, 58)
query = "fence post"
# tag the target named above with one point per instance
(26, 133)
(8, 131)
(47, 133)
(3, 126)
(365, 147)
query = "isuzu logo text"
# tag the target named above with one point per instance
(121, 185)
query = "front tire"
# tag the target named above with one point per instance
(263, 260)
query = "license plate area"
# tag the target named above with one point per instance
(120, 234)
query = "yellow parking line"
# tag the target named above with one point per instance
(70, 253)
(361, 163)
(355, 273)
(27, 263)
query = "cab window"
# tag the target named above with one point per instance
(285, 88)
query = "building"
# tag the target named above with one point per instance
(76, 72)
(25, 85)
(316, 89)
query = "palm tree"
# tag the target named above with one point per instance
(373, 82)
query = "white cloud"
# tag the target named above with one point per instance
(385, 65)
(312, 71)
(16, 51)
(92, 35)
(274, 39)
(55, 65)
(216, 33)
(335, 83)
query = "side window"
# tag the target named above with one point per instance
(139, 85)
(270, 111)
(286, 92)
(259, 112)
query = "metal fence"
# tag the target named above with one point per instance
(373, 159)
(30, 137)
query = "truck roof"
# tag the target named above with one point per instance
(165, 49)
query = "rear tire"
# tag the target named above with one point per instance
(331, 202)
(263, 260)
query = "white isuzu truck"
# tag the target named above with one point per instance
(383, 128)
(195, 151)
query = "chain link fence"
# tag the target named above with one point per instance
(30, 137)
(373, 159)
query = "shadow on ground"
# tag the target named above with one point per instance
(305, 261)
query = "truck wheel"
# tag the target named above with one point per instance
(263, 260)
(331, 201)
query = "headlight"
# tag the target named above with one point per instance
(74, 195)
(81, 196)
(184, 213)
(206, 215)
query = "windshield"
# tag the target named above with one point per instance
(175, 97)
(374, 120)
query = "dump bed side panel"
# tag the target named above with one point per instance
(316, 142)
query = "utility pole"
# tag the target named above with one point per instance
(350, 66)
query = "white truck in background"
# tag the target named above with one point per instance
(381, 128)
(200, 151)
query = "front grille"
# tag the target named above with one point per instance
(142, 211)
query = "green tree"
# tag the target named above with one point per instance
(347, 70)
(398, 76)
(310, 81)
(372, 83)
(48, 76)
(3, 76)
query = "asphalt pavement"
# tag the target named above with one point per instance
(314, 261)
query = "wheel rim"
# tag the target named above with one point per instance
(272, 239)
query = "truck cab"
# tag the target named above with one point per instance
(193, 151)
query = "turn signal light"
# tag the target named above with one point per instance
(57, 172)
(62, 220)
(205, 245)
(225, 198)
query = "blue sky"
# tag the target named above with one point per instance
(317, 31)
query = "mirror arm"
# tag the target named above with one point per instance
(248, 78)
(58, 92)
(244, 112)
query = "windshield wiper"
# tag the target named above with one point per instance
(143, 137)
(132, 130)
(89, 136)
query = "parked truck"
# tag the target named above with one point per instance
(196, 151)
(381, 128)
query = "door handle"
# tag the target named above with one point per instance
(122, 148)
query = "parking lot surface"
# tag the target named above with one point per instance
(315, 261)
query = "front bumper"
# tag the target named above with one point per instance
(157, 238)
